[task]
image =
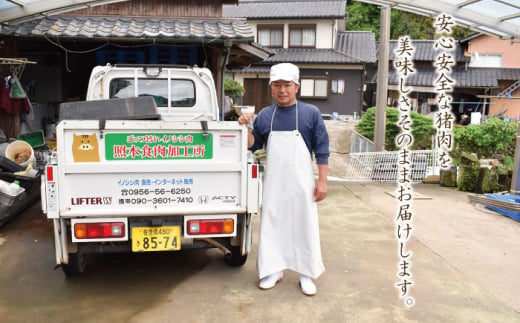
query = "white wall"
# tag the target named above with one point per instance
(325, 30)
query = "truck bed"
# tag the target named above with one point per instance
(135, 168)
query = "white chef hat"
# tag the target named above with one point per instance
(286, 72)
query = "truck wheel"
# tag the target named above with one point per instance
(236, 259)
(76, 266)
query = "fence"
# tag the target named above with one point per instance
(382, 166)
(360, 143)
(365, 165)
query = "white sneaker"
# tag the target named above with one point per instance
(270, 281)
(307, 285)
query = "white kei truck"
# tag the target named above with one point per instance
(145, 164)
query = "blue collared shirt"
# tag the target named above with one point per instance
(310, 125)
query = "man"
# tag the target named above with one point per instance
(289, 231)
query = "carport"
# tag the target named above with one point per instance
(499, 18)
(67, 38)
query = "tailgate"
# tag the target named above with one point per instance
(133, 168)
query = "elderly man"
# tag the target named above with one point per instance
(289, 232)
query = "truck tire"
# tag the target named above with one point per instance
(236, 259)
(76, 266)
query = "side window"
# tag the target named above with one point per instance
(302, 36)
(337, 86)
(270, 35)
(315, 88)
(182, 91)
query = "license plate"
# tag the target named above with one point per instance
(156, 238)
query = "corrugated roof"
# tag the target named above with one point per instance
(494, 17)
(286, 9)
(358, 44)
(130, 27)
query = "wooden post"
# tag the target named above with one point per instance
(382, 80)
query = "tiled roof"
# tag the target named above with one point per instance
(301, 56)
(131, 27)
(285, 9)
(471, 77)
(311, 55)
(425, 50)
(358, 44)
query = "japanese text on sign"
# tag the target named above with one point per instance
(404, 195)
(158, 146)
(444, 119)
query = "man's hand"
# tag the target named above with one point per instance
(247, 119)
(320, 190)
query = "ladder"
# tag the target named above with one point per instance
(507, 92)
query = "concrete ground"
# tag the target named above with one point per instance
(465, 267)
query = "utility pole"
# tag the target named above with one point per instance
(382, 80)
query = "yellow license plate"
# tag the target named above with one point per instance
(156, 238)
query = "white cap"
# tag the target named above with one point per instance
(286, 72)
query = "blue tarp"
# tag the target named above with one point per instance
(513, 199)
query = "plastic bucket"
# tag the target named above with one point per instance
(20, 152)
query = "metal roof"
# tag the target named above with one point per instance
(17, 11)
(500, 18)
(268, 9)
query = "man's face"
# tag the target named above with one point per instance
(284, 92)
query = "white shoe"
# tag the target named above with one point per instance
(307, 285)
(270, 281)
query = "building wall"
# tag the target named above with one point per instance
(158, 8)
(493, 45)
(325, 30)
(345, 104)
(505, 106)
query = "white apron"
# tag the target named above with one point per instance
(289, 231)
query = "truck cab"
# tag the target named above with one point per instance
(179, 92)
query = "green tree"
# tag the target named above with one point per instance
(422, 128)
(362, 16)
(232, 88)
(494, 136)
(365, 16)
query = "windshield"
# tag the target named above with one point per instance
(182, 91)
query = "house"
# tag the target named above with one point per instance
(486, 74)
(67, 46)
(501, 56)
(311, 35)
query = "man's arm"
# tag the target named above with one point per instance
(320, 188)
(250, 139)
(244, 119)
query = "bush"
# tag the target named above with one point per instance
(232, 88)
(468, 177)
(494, 136)
(422, 128)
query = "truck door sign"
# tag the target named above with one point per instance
(158, 146)
(85, 148)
